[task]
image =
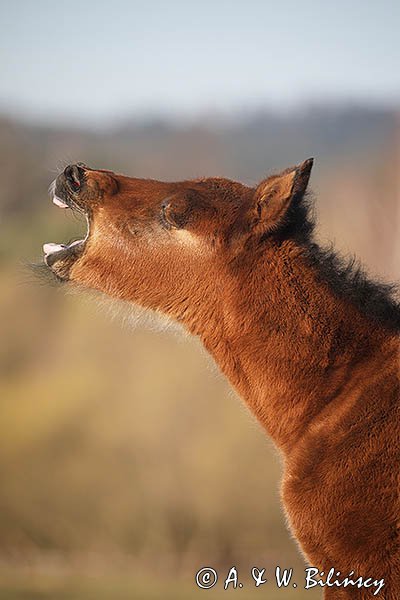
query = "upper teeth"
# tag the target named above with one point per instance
(59, 202)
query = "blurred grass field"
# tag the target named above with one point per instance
(30, 587)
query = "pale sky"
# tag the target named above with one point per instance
(94, 61)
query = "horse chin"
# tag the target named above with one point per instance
(61, 257)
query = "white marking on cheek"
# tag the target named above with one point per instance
(189, 239)
(158, 237)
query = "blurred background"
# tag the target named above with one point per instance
(126, 462)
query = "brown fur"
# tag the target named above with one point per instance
(319, 370)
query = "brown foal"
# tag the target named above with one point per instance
(310, 344)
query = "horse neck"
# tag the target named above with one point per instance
(286, 342)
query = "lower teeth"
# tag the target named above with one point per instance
(51, 248)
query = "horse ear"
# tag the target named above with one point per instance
(276, 194)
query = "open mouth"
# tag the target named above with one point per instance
(64, 191)
(51, 248)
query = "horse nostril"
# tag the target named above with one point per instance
(73, 176)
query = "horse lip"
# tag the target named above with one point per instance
(58, 252)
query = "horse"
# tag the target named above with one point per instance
(309, 342)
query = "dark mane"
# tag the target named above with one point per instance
(346, 276)
(348, 279)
